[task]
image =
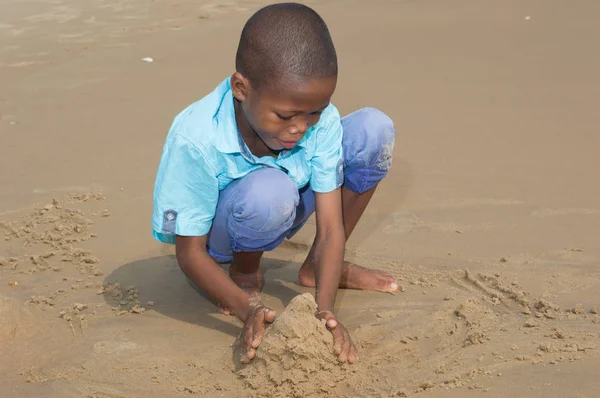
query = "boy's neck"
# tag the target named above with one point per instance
(257, 147)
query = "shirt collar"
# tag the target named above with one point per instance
(228, 138)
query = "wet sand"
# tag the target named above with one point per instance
(489, 218)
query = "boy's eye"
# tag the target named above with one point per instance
(284, 117)
(317, 113)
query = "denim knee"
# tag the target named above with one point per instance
(263, 212)
(368, 143)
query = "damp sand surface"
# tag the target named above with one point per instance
(489, 217)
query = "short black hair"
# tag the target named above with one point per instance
(285, 40)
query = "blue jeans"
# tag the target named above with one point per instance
(260, 210)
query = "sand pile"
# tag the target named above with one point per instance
(296, 357)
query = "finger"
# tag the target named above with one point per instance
(244, 347)
(270, 315)
(247, 338)
(330, 320)
(345, 347)
(259, 329)
(332, 323)
(250, 354)
(247, 356)
(265, 315)
(353, 356)
(244, 358)
(249, 334)
(338, 340)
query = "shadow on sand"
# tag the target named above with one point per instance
(159, 279)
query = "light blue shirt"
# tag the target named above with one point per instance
(204, 152)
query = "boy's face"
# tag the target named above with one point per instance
(280, 114)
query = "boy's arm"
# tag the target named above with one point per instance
(199, 266)
(328, 248)
(326, 181)
(328, 255)
(185, 199)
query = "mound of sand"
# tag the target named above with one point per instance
(296, 357)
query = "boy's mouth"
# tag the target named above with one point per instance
(288, 144)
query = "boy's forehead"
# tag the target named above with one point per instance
(297, 96)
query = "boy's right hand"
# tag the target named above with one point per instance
(254, 328)
(342, 342)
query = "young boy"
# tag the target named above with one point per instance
(245, 167)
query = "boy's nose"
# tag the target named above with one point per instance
(300, 127)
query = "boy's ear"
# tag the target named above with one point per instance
(240, 86)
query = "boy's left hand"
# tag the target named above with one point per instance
(342, 343)
(254, 328)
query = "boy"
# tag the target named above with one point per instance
(244, 168)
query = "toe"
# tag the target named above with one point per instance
(223, 310)
(388, 283)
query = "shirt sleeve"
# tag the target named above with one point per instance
(186, 191)
(327, 163)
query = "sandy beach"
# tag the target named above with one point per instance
(489, 219)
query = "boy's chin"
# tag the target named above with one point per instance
(274, 145)
(276, 150)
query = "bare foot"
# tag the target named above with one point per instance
(355, 277)
(250, 283)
